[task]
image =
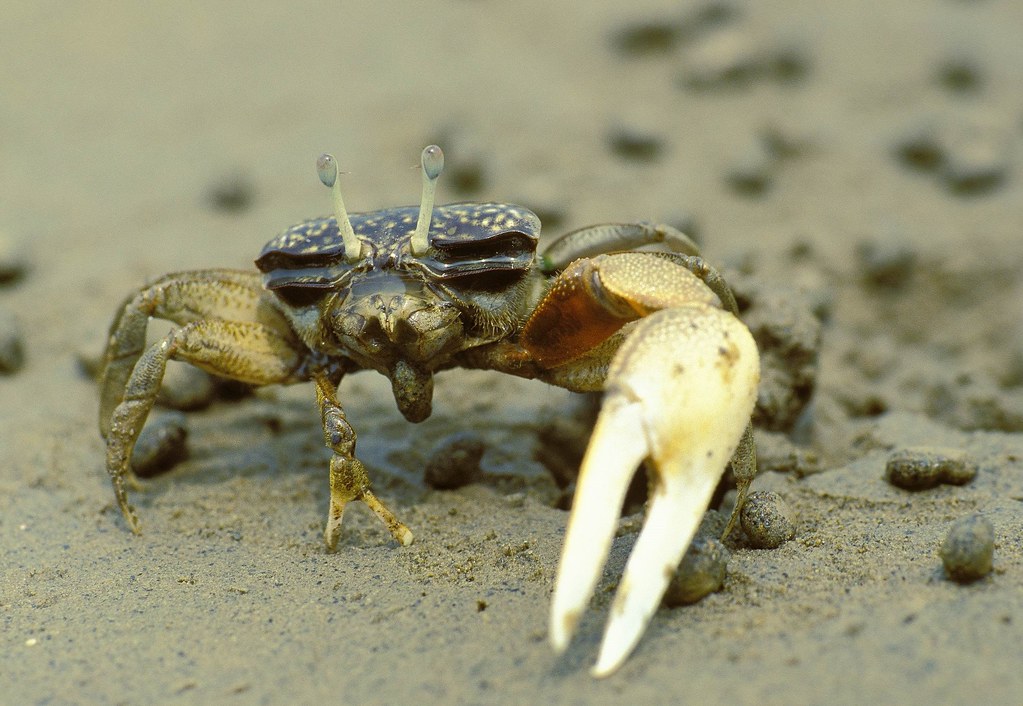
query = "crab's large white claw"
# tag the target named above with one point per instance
(680, 391)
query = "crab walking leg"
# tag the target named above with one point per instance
(244, 351)
(181, 298)
(680, 391)
(613, 237)
(348, 478)
(744, 470)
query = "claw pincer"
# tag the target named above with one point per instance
(680, 392)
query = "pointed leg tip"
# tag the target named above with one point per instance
(404, 536)
(128, 512)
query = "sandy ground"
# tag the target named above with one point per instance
(855, 167)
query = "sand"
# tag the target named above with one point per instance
(853, 167)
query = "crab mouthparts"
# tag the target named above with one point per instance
(413, 390)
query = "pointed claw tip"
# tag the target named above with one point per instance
(599, 670)
(562, 629)
(614, 652)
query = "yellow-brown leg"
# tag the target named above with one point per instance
(181, 298)
(348, 478)
(249, 352)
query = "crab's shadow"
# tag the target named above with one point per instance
(270, 445)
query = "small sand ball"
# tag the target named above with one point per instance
(969, 549)
(923, 467)
(701, 572)
(232, 193)
(752, 172)
(767, 520)
(635, 142)
(12, 344)
(186, 388)
(455, 462)
(14, 259)
(160, 446)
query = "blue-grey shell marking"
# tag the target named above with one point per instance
(465, 239)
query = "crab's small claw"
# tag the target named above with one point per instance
(680, 391)
(348, 482)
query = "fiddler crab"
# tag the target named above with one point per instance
(411, 291)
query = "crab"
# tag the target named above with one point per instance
(411, 291)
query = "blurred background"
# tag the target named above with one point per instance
(741, 119)
(856, 162)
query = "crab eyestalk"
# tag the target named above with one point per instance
(326, 167)
(433, 164)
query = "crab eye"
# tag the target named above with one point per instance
(511, 245)
(299, 296)
(508, 252)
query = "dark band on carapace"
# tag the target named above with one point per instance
(465, 239)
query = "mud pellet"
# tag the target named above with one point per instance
(969, 153)
(12, 346)
(701, 572)
(14, 260)
(888, 261)
(752, 173)
(562, 441)
(977, 154)
(187, 388)
(231, 194)
(89, 363)
(767, 520)
(920, 147)
(723, 59)
(923, 467)
(635, 142)
(646, 38)
(968, 549)
(959, 74)
(455, 462)
(161, 445)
